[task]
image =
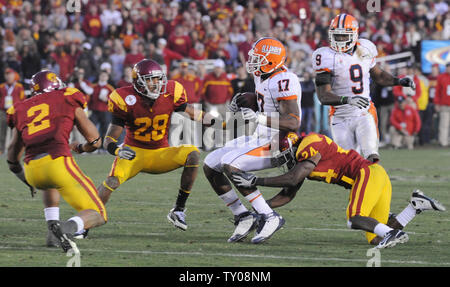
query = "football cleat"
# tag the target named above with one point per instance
(81, 235)
(422, 202)
(65, 239)
(177, 218)
(392, 238)
(245, 223)
(52, 241)
(267, 226)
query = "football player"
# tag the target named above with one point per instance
(317, 157)
(144, 110)
(343, 73)
(42, 124)
(278, 94)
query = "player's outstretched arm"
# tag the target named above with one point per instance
(89, 132)
(327, 97)
(285, 196)
(290, 179)
(383, 78)
(200, 116)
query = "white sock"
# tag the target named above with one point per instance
(259, 203)
(51, 213)
(406, 215)
(381, 229)
(79, 222)
(233, 202)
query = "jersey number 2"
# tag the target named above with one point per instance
(38, 113)
(356, 75)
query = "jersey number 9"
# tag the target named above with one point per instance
(356, 75)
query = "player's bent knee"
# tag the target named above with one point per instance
(209, 171)
(210, 163)
(193, 158)
(228, 169)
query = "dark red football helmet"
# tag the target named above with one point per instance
(149, 79)
(284, 155)
(45, 81)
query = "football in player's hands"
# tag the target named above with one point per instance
(244, 100)
(244, 179)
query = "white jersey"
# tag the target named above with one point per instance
(283, 85)
(350, 73)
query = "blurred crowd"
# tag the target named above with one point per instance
(204, 44)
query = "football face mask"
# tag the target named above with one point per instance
(153, 84)
(343, 33)
(284, 156)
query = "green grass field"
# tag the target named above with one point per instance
(315, 234)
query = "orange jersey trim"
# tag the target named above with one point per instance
(293, 97)
(323, 70)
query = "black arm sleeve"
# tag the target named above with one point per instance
(181, 108)
(323, 78)
(118, 121)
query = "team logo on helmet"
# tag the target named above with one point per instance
(266, 55)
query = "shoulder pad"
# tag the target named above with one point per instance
(116, 101)
(323, 60)
(367, 49)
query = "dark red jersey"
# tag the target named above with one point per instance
(147, 122)
(337, 166)
(45, 121)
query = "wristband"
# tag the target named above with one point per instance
(95, 141)
(396, 81)
(262, 119)
(112, 148)
(344, 100)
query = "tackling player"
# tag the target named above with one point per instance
(343, 73)
(42, 124)
(278, 95)
(144, 109)
(317, 157)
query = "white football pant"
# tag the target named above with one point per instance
(358, 133)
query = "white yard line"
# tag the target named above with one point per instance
(257, 256)
(203, 225)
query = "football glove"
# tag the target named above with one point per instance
(407, 82)
(249, 114)
(356, 101)
(126, 153)
(233, 106)
(244, 179)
